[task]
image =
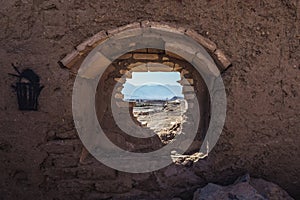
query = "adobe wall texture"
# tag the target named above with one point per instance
(39, 151)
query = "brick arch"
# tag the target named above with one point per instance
(74, 60)
(143, 60)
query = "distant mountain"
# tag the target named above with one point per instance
(152, 92)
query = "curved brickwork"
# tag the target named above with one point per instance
(150, 60)
(75, 58)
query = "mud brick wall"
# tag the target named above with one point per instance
(149, 60)
(40, 151)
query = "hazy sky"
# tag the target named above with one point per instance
(153, 85)
(141, 78)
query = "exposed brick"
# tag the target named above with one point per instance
(101, 36)
(123, 71)
(173, 55)
(163, 27)
(125, 56)
(132, 65)
(126, 74)
(222, 58)
(184, 72)
(91, 41)
(120, 80)
(82, 46)
(205, 42)
(68, 58)
(140, 68)
(140, 56)
(177, 67)
(170, 64)
(154, 67)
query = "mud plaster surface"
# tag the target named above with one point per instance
(261, 134)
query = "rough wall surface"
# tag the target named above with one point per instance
(260, 136)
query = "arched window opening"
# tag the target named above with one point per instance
(158, 101)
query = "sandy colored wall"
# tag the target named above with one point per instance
(39, 151)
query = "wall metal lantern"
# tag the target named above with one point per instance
(28, 88)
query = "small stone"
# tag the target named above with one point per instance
(184, 72)
(119, 96)
(177, 67)
(173, 152)
(170, 64)
(122, 71)
(120, 80)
